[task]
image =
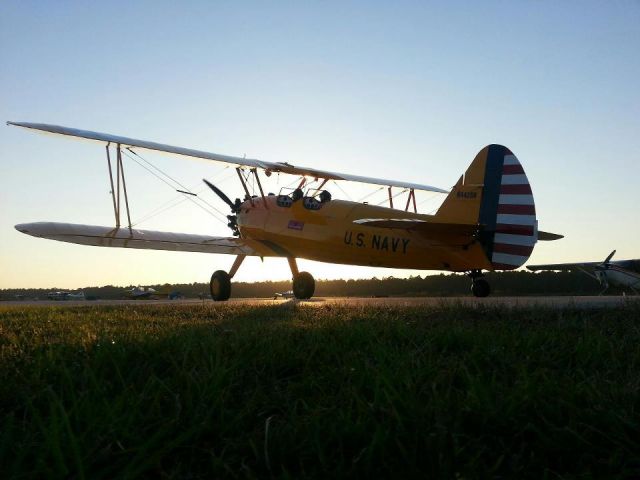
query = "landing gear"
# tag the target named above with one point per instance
(303, 283)
(479, 286)
(220, 285)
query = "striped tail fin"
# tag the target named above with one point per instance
(495, 193)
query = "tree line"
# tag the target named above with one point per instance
(502, 284)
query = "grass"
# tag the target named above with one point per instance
(319, 391)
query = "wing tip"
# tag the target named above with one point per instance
(20, 124)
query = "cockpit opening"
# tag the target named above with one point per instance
(313, 199)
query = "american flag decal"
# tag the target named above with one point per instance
(295, 225)
(516, 229)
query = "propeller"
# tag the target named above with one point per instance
(601, 271)
(606, 260)
(605, 265)
(235, 207)
(222, 195)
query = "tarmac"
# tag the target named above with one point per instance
(511, 302)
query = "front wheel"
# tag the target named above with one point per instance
(303, 286)
(480, 288)
(220, 286)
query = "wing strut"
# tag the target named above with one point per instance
(244, 185)
(264, 200)
(124, 187)
(412, 195)
(115, 192)
(113, 195)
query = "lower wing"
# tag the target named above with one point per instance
(142, 239)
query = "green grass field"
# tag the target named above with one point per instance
(301, 391)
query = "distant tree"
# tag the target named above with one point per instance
(454, 284)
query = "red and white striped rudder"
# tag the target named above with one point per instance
(515, 230)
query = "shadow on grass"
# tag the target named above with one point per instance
(289, 390)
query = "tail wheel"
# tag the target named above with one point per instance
(220, 286)
(303, 285)
(480, 287)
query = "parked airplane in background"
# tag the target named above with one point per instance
(57, 295)
(283, 295)
(625, 273)
(486, 222)
(139, 293)
(66, 296)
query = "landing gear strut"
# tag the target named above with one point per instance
(303, 283)
(220, 285)
(479, 286)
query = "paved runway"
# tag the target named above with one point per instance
(557, 302)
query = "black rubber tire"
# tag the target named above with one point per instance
(480, 288)
(220, 286)
(303, 286)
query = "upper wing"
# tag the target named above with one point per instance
(246, 162)
(143, 239)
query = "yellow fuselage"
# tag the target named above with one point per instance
(330, 235)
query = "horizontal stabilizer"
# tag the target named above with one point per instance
(421, 226)
(436, 227)
(141, 239)
(547, 237)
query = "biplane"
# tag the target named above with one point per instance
(623, 273)
(486, 222)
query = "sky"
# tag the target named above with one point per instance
(401, 90)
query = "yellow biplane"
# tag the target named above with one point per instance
(486, 222)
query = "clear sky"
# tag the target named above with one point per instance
(402, 90)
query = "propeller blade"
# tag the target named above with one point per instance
(220, 193)
(609, 257)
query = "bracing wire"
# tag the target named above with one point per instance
(188, 197)
(175, 201)
(172, 186)
(370, 194)
(169, 204)
(340, 188)
(294, 182)
(175, 181)
(393, 196)
(159, 211)
(428, 200)
(157, 169)
(290, 185)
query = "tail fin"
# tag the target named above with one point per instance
(495, 193)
